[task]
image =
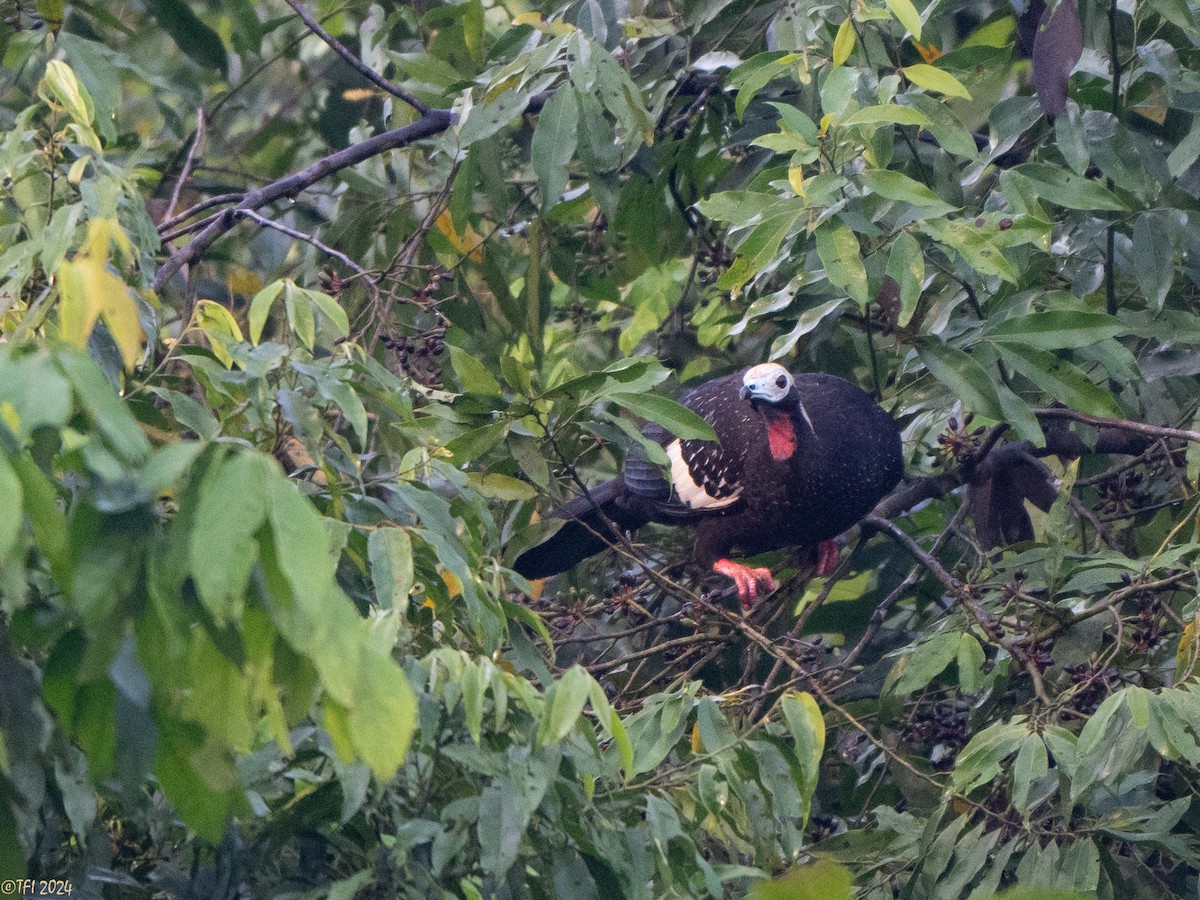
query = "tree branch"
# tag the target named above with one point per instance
(432, 122)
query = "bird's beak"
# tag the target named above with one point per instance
(744, 393)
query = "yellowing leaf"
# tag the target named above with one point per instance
(934, 79)
(469, 242)
(242, 281)
(697, 742)
(907, 15)
(843, 43)
(88, 290)
(220, 327)
(929, 52)
(452, 582)
(796, 180)
(60, 85)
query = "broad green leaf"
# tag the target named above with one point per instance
(966, 378)
(108, 412)
(914, 670)
(1065, 188)
(564, 705)
(970, 659)
(838, 248)
(46, 519)
(805, 722)
(11, 499)
(329, 308)
(260, 308)
(1056, 329)
(501, 487)
(472, 374)
(890, 114)
(676, 418)
(230, 509)
(553, 146)
(1154, 256)
(906, 265)
(1060, 379)
(390, 553)
(197, 41)
(980, 761)
(820, 880)
(906, 14)
(1031, 764)
(843, 43)
(299, 314)
(934, 79)
(898, 186)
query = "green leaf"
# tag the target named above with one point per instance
(390, 553)
(898, 186)
(966, 378)
(838, 248)
(1065, 188)
(934, 79)
(190, 34)
(501, 487)
(979, 761)
(1056, 330)
(1060, 379)
(472, 374)
(906, 265)
(1032, 764)
(820, 880)
(230, 510)
(564, 705)
(1154, 256)
(914, 670)
(970, 659)
(11, 500)
(843, 43)
(805, 722)
(299, 314)
(553, 146)
(260, 308)
(890, 114)
(330, 309)
(906, 14)
(676, 418)
(108, 412)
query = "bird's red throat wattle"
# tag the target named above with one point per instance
(781, 436)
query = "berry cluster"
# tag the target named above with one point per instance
(943, 727)
(1121, 494)
(957, 442)
(1093, 683)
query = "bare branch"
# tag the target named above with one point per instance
(354, 62)
(1154, 431)
(433, 122)
(301, 236)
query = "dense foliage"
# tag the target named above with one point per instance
(307, 312)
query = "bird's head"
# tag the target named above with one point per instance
(771, 390)
(766, 383)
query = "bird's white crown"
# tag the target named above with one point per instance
(767, 381)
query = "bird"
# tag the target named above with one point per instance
(799, 459)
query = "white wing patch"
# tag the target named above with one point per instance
(689, 492)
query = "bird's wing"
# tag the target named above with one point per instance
(703, 477)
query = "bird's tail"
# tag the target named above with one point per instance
(584, 533)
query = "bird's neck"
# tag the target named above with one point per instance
(781, 435)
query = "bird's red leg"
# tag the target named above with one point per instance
(746, 579)
(827, 557)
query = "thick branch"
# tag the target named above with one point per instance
(433, 122)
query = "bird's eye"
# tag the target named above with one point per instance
(781, 381)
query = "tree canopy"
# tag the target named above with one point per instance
(310, 312)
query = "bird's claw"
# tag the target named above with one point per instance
(746, 579)
(827, 557)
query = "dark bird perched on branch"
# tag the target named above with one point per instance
(799, 459)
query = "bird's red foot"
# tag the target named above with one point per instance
(746, 579)
(827, 557)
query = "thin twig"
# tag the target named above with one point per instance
(301, 236)
(354, 62)
(198, 137)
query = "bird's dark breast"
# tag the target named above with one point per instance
(841, 468)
